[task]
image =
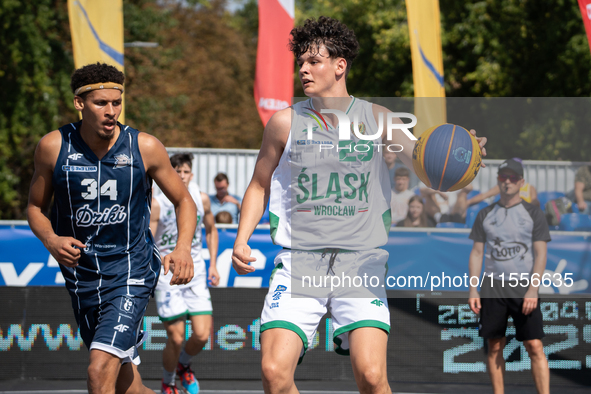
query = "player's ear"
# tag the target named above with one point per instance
(341, 66)
(78, 103)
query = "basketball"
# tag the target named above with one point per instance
(446, 157)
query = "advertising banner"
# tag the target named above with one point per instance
(426, 261)
(431, 340)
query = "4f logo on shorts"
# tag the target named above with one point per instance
(127, 305)
(377, 302)
(121, 327)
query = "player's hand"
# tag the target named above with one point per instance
(214, 276)
(481, 143)
(474, 303)
(241, 259)
(582, 206)
(180, 263)
(65, 250)
(529, 304)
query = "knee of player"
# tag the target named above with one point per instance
(371, 377)
(275, 373)
(201, 336)
(96, 373)
(176, 340)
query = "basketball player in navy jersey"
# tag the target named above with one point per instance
(100, 174)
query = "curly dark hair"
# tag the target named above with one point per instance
(179, 159)
(339, 40)
(95, 73)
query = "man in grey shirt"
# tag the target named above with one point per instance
(516, 235)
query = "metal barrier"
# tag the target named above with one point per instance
(239, 164)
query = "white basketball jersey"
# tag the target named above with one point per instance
(335, 197)
(167, 232)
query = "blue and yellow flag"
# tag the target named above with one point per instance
(97, 33)
(427, 63)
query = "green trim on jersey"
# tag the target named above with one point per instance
(291, 327)
(277, 267)
(350, 106)
(350, 327)
(274, 223)
(387, 218)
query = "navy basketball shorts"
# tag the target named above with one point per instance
(496, 310)
(114, 326)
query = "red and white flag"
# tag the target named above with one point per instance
(273, 84)
(585, 6)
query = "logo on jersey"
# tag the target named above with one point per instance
(362, 128)
(121, 327)
(122, 160)
(79, 168)
(317, 118)
(126, 305)
(504, 251)
(75, 156)
(86, 217)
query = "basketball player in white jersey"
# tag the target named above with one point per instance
(177, 303)
(329, 210)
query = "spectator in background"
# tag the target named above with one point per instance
(528, 192)
(583, 189)
(446, 206)
(222, 200)
(223, 217)
(416, 216)
(400, 194)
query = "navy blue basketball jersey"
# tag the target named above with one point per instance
(106, 205)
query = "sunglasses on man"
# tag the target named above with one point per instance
(512, 178)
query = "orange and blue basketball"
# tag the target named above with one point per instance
(446, 157)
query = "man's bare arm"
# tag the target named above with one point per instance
(66, 250)
(154, 216)
(211, 237)
(474, 268)
(158, 167)
(257, 194)
(530, 300)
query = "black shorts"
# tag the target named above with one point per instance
(496, 310)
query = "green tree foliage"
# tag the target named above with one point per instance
(491, 48)
(34, 90)
(196, 88)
